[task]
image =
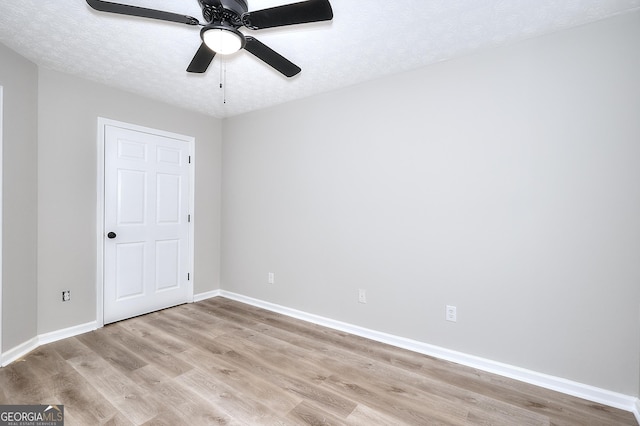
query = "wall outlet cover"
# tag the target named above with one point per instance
(451, 313)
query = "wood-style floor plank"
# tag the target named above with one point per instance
(220, 362)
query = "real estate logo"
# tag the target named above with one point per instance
(31, 415)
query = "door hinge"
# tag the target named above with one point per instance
(189, 159)
(189, 218)
(188, 276)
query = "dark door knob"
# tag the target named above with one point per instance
(111, 235)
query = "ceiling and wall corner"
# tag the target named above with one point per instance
(504, 183)
(64, 95)
(367, 39)
(49, 192)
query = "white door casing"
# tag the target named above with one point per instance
(1, 186)
(147, 201)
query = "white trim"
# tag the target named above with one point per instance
(100, 224)
(19, 351)
(580, 390)
(207, 295)
(102, 123)
(1, 173)
(54, 336)
(590, 393)
(192, 222)
(32, 344)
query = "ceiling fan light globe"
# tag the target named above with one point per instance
(223, 41)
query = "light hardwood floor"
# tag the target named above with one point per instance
(224, 362)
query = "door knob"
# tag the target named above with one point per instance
(111, 235)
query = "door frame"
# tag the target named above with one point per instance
(1, 223)
(100, 205)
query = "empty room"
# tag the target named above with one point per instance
(269, 212)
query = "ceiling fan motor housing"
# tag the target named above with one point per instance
(232, 11)
(221, 35)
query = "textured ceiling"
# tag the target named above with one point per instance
(367, 39)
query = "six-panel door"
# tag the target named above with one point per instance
(146, 207)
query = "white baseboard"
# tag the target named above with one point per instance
(54, 336)
(207, 295)
(590, 393)
(19, 351)
(580, 390)
(23, 349)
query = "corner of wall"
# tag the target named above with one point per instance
(19, 78)
(23, 349)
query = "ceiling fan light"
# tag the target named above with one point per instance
(223, 40)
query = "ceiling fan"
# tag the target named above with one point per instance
(221, 35)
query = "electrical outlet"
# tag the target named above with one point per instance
(362, 295)
(66, 295)
(271, 278)
(451, 313)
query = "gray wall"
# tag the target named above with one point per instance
(67, 156)
(49, 192)
(505, 183)
(19, 79)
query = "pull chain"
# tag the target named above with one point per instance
(223, 80)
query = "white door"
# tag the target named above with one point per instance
(146, 235)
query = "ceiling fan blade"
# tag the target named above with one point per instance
(271, 57)
(289, 14)
(201, 60)
(123, 9)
